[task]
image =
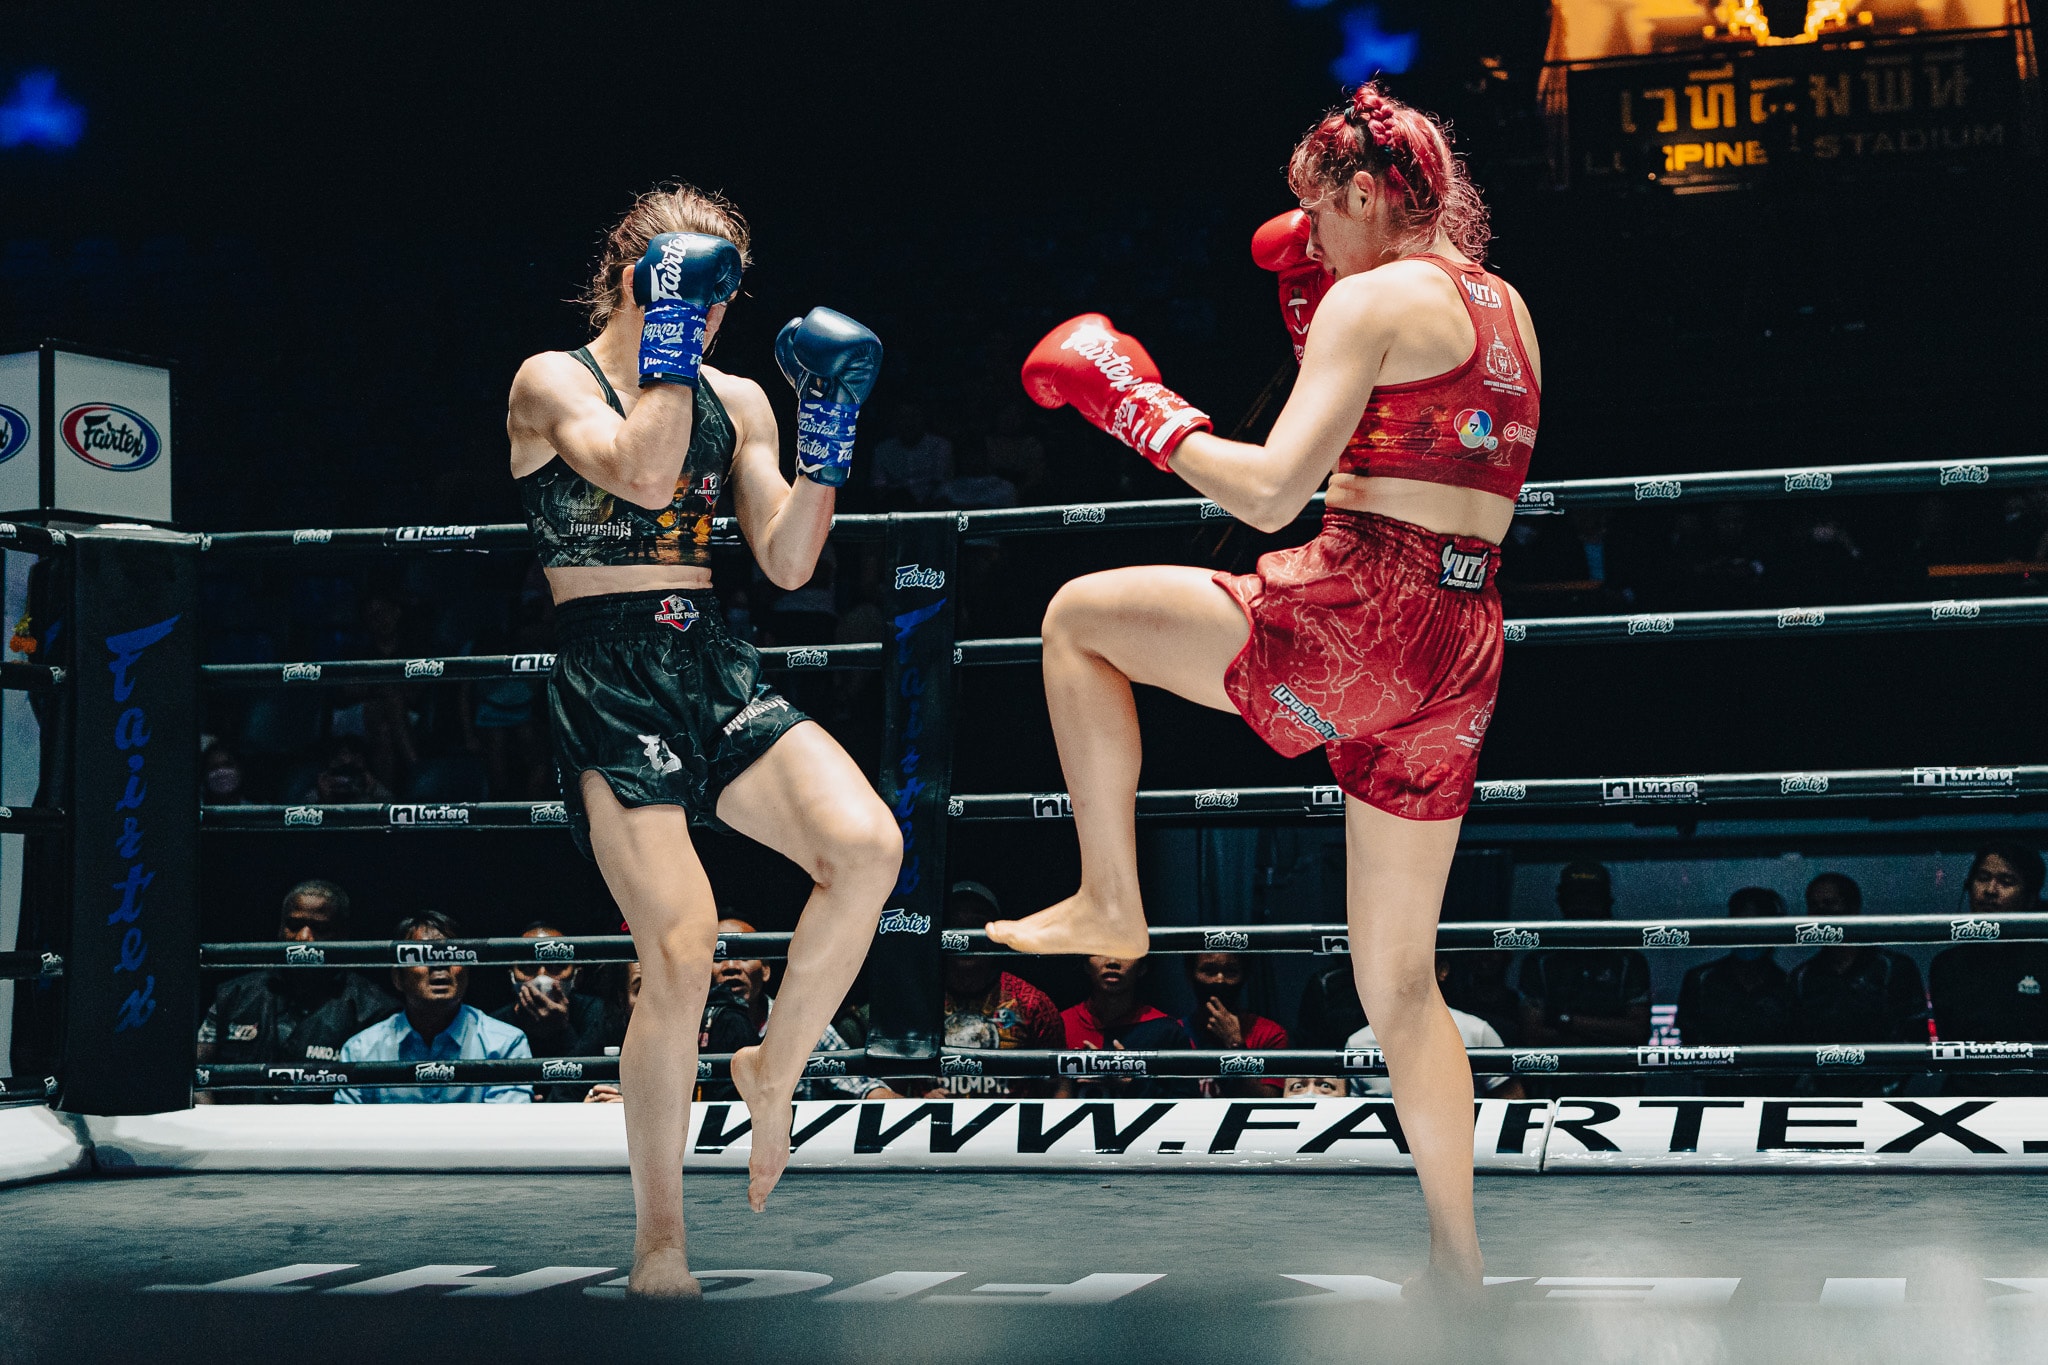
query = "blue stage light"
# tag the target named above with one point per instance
(36, 115)
(1368, 50)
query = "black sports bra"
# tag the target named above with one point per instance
(576, 524)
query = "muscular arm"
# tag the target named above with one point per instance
(556, 406)
(784, 526)
(1268, 485)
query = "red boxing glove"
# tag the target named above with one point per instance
(1110, 381)
(1281, 244)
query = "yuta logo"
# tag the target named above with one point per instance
(13, 433)
(1475, 429)
(111, 437)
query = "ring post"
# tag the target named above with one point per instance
(132, 968)
(907, 1014)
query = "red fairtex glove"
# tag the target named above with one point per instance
(1110, 381)
(1281, 244)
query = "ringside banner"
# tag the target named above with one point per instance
(84, 434)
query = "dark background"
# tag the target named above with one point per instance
(348, 224)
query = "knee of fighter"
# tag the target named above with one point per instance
(674, 960)
(1070, 607)
(865, 843)
(1393, 996)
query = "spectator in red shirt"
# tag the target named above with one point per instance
(1114, 1019)
(1221, 1022)
(988, 1007)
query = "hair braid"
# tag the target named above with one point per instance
(1410, 152)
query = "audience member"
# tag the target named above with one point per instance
(346, 778)
(1314, 1088)
(621, 992)
(1995, 992)
(1329, 1011)
(1586, 997)
(281, 1015)
(1743, 998)
(911, 461)
(221, 777)
(1477, 983)
(1854, 993)
(558, 1019)
(1114, 1019)
(987, 1007)
(1221, 1022)
(739, 993)
(434, 1026)
(1472, 1031)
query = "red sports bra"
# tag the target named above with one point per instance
(1473, 427)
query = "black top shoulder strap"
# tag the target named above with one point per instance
(583, 354)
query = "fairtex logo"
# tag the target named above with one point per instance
(950, 1065)
(1965, 473)
(1796, 784)
(1226, 941)
(1651, 625)
(1809, 481)
(918, 576)
(677, 611)
(304, 955)
(1501, 791)
(547, 813)
(1517, 938)
(553, 950)
(111, 437)
(1241, 1064)
(904, 922)
(561, 1071)
(1806, 935)
(808, 658)
(1972, 930)
(1514, 632)
(300, 673)
(1215, 800)
(1658, 488)
(952, 940)
(1839, 1056)
(13, 433)
(1475, 429)
(1949, 610)
(303, 817)
(1659, 936)
(1083, 516)
(1802, 616)
(312, 536)
(1536, 1061)
(434, 1071)
(1212, 511)
(425, 668)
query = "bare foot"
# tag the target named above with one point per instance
(773, 1113)
(1078, 926)
(663, 1273)
(1445, 1283)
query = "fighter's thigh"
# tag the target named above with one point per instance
(1164, 625)
(1395, 872)
(807, 799)
(651, 867)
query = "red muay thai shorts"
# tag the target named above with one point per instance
(1381, 642)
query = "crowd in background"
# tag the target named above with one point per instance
(1546, 998)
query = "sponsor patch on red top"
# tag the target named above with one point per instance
(111, 436)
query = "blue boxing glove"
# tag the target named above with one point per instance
(831, 361)
(679, 279)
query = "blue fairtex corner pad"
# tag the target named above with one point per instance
(36, 1143)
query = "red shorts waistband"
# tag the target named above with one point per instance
(1465, 563)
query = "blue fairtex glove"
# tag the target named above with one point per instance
(682, 275)
(832, 362)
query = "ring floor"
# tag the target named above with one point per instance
(1825, 1267)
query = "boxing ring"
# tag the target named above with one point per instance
(975, 1227)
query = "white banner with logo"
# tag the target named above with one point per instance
(1820, 1132)
(20, 467)
(113, 438)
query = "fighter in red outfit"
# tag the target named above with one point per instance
(1380, 639)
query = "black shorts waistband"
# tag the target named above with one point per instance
(638, 613)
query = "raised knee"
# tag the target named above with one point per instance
(1068, 614)
(864, 843)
